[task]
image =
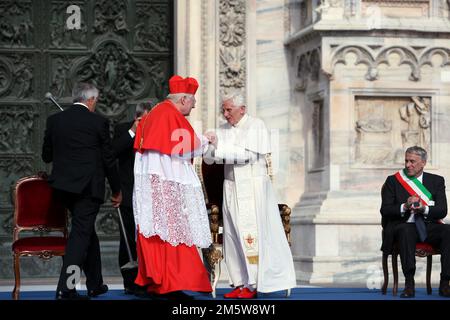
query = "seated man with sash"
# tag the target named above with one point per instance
(413, 206)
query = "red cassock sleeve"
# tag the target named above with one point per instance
(167, 131)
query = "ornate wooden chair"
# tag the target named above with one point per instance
(211, 177)
(37, 210)
(423, 250)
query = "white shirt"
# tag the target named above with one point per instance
(82, 104)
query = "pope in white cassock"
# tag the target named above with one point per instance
(256, 251)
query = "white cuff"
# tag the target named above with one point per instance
(402, 210)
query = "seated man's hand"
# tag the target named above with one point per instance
(411, 201)
(420, 208)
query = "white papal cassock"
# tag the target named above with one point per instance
(256, 250)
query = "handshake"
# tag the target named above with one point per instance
(211, 137)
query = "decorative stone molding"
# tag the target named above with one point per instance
(373, 57)
(350, 8)
(420, 7)
(308, 68)
(232, 48)
(204, 53)
(407, 57)
(425, 57)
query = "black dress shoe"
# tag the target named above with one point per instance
(408, 292)
(136, 290)
(70, 295)
(178, 295)
(103, 288)
(444, 289)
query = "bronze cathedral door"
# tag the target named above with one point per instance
(125, 47)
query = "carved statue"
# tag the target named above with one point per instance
(23, 77)
(417, 115)
(59, 77)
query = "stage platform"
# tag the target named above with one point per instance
(303, 293)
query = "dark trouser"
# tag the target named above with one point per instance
(128, 275)
(83, 248)
(438, 235)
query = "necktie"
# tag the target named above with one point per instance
(421, 227)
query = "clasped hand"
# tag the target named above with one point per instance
(414, 205)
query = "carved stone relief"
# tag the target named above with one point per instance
(417, 116)
(60, 66)
(16, 129)
(60, 36)
(116, 73)
(386, 126)
(157, 71)
(324, 5)
(232, 49)
(108, 223)
(16, 27)
(373, 57)
(12, 168)
(39, 54)
(16, 75)
(30, 267)
(152, 31)
(308, 68)
(110, 16)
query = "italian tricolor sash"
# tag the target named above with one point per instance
(415, 187)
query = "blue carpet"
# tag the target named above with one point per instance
(305, 294)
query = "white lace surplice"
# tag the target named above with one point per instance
(168, 200)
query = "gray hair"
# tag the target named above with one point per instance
(175, 97)
(142, 107)
(236, 98)
(83, 91)
(419, 151)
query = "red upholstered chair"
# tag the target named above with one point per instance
(422, 250)
(36, 209)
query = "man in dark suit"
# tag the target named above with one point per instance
(413, 204)
(123, 142)
(77, 141)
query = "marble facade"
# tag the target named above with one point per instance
(346, 85)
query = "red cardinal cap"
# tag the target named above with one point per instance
(178, 84)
